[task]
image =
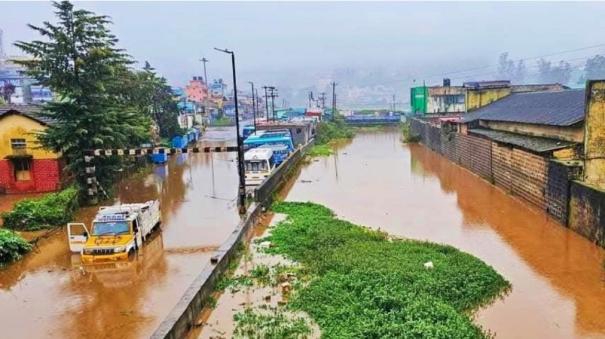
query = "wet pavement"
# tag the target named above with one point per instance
(557, 276)
(49, 294)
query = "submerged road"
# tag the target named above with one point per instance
(557, 276)
(49, 294)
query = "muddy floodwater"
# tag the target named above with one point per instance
(50, 294)
(557, 276)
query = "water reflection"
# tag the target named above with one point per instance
(51, 294)
(557, 276)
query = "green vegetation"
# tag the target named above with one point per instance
(332, 130)
(12, 247)
(222, 121)
(322, 150)
(101, 101)
(269, 324)
(366, 284)
(54, 209)
(407, 133)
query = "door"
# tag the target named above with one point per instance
(77, 234)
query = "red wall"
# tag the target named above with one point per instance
(45, 177)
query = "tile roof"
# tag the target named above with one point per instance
(536, 144)
(26, 110)
(562, 108)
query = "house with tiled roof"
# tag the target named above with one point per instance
(25, 166)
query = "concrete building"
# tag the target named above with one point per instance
(24, 166)
(196, 90)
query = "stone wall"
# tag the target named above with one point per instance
(557, 188)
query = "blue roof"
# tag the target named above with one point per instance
(562, 108)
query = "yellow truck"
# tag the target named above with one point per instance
(116, 232)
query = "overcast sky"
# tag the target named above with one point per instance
(302, 40)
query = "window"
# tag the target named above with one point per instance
(18, 144)
(22, 169)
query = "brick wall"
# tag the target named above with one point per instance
(481, 157)
(45, 177)
(529, 177)
(46, 174)
(501, 166)
(587, 211)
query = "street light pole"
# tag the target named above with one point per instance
(204, 61)
(240, 147)
(253, 105)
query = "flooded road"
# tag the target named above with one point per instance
(49, 294)
(557, 276)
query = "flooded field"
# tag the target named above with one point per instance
(557, 276)
(49, 294)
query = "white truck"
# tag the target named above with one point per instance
(115, 233)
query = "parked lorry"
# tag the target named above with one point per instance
(115, 233)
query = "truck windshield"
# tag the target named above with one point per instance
(256, 166)
(110, 228)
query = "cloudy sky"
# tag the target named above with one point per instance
(303, 43)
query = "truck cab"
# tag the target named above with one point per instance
(258, 164)
(115, 233)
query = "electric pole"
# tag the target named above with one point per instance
(322, 98)
(273, 95)
(333, 99)
(253, 104)
(204, 61)
(266, 103)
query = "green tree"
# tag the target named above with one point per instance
(79, 61)
(547, 73)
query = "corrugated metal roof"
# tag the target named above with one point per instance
(563, 108)
(535, 144)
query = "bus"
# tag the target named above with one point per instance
(270, 137)
(258, 164)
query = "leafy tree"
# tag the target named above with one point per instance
(595, 67)
(79, 61)
(508, 70)
(547, 73)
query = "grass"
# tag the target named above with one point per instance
(366, 284)
(322, 150)
(269, 324)
(221, 122)
(12, 247)
(52, 210)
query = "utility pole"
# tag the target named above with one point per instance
(240, 146)
(322, 98)
(204, 61)
(333, 99)
(393, 103)
(257, 101)
(266, 103)
(253, 104)
(273, 95)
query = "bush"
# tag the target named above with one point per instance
(330, 130)
(12, 246)
(363, 284)
(54, 209)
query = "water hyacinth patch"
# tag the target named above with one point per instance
(365, 284)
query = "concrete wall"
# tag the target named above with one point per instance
(476, 98)
(594, 143)
(182, 317)
(587, 211)
(573, 133)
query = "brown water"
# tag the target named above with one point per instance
(49, 294)
(557, 276)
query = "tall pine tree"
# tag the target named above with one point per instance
(79, 61)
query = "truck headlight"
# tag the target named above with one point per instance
(119, 249)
